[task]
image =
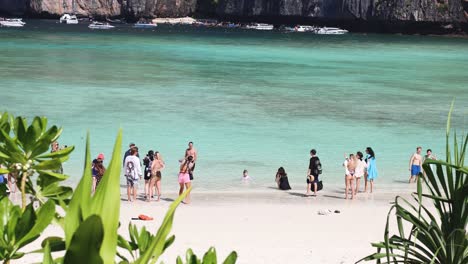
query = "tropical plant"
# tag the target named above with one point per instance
(19, 228)
(24, 150)
(438, 233)
(90, 222)
(209, 258)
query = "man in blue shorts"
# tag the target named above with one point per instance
(415, 165)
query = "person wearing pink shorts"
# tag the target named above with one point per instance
(184, 177)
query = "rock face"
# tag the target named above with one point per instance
(389, 10)
(371, 10)
(108, 8)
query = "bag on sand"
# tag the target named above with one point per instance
(319, 186)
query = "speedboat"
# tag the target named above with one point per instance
(260, 26)
(69, 19)
(302, 28)
(145, 25)
(12, 22)
(100, 25)
(331, 31)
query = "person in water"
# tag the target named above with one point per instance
(282, 179)
(415, 165)
(184, 176)
(245, 176)
(371, 169)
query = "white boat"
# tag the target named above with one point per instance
(260, 26)
(302, 28)
(145, 25)
(69, 19)
(100, 25)
(12, 22)
(331, 31)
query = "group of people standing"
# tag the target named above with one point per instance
(152, 173)
(416, 161)
(355, 165)
(356, 168)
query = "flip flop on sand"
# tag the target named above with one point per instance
(142, 217)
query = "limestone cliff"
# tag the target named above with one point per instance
(111, 8)
(387, 10)
(366, 10)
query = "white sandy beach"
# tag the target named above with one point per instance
(268, 226)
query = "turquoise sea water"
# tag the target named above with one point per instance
(248, 99)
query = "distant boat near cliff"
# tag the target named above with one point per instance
(260, 26)
(144, 24)
(12, 22)
(331, 31)
(69, 19)
(100, 25)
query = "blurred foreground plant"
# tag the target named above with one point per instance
(438, 237)
(90, 223)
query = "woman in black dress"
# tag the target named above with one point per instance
(282, 179)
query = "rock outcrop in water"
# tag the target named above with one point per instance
(366, 12)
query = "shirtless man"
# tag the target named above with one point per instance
(415, 165)
(191, 151)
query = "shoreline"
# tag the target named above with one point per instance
(406, 28)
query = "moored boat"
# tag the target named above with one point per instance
(304, 28)
(69, 19)
(12, 22)
(331, 31)
(100, 25)
(260, 26)
(145, 25)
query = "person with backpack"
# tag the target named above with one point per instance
(133, 173)
(315, 168)
(147, 161)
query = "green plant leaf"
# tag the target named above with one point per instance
(106, 202)
(49, 177)
(79, 206)
(58, 154)
(157, 245)
(47, 258)
(52, 164)
(45, 214)
(20, 128)
(169, 242)
(231, 259)
(210, 257)
(86, 242)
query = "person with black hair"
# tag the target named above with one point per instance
(360, 170)
(315, 168)
(147, 161)
(282, 179)
(371, 169)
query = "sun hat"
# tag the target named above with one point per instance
(100, 156)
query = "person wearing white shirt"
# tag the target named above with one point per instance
(132, 173)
